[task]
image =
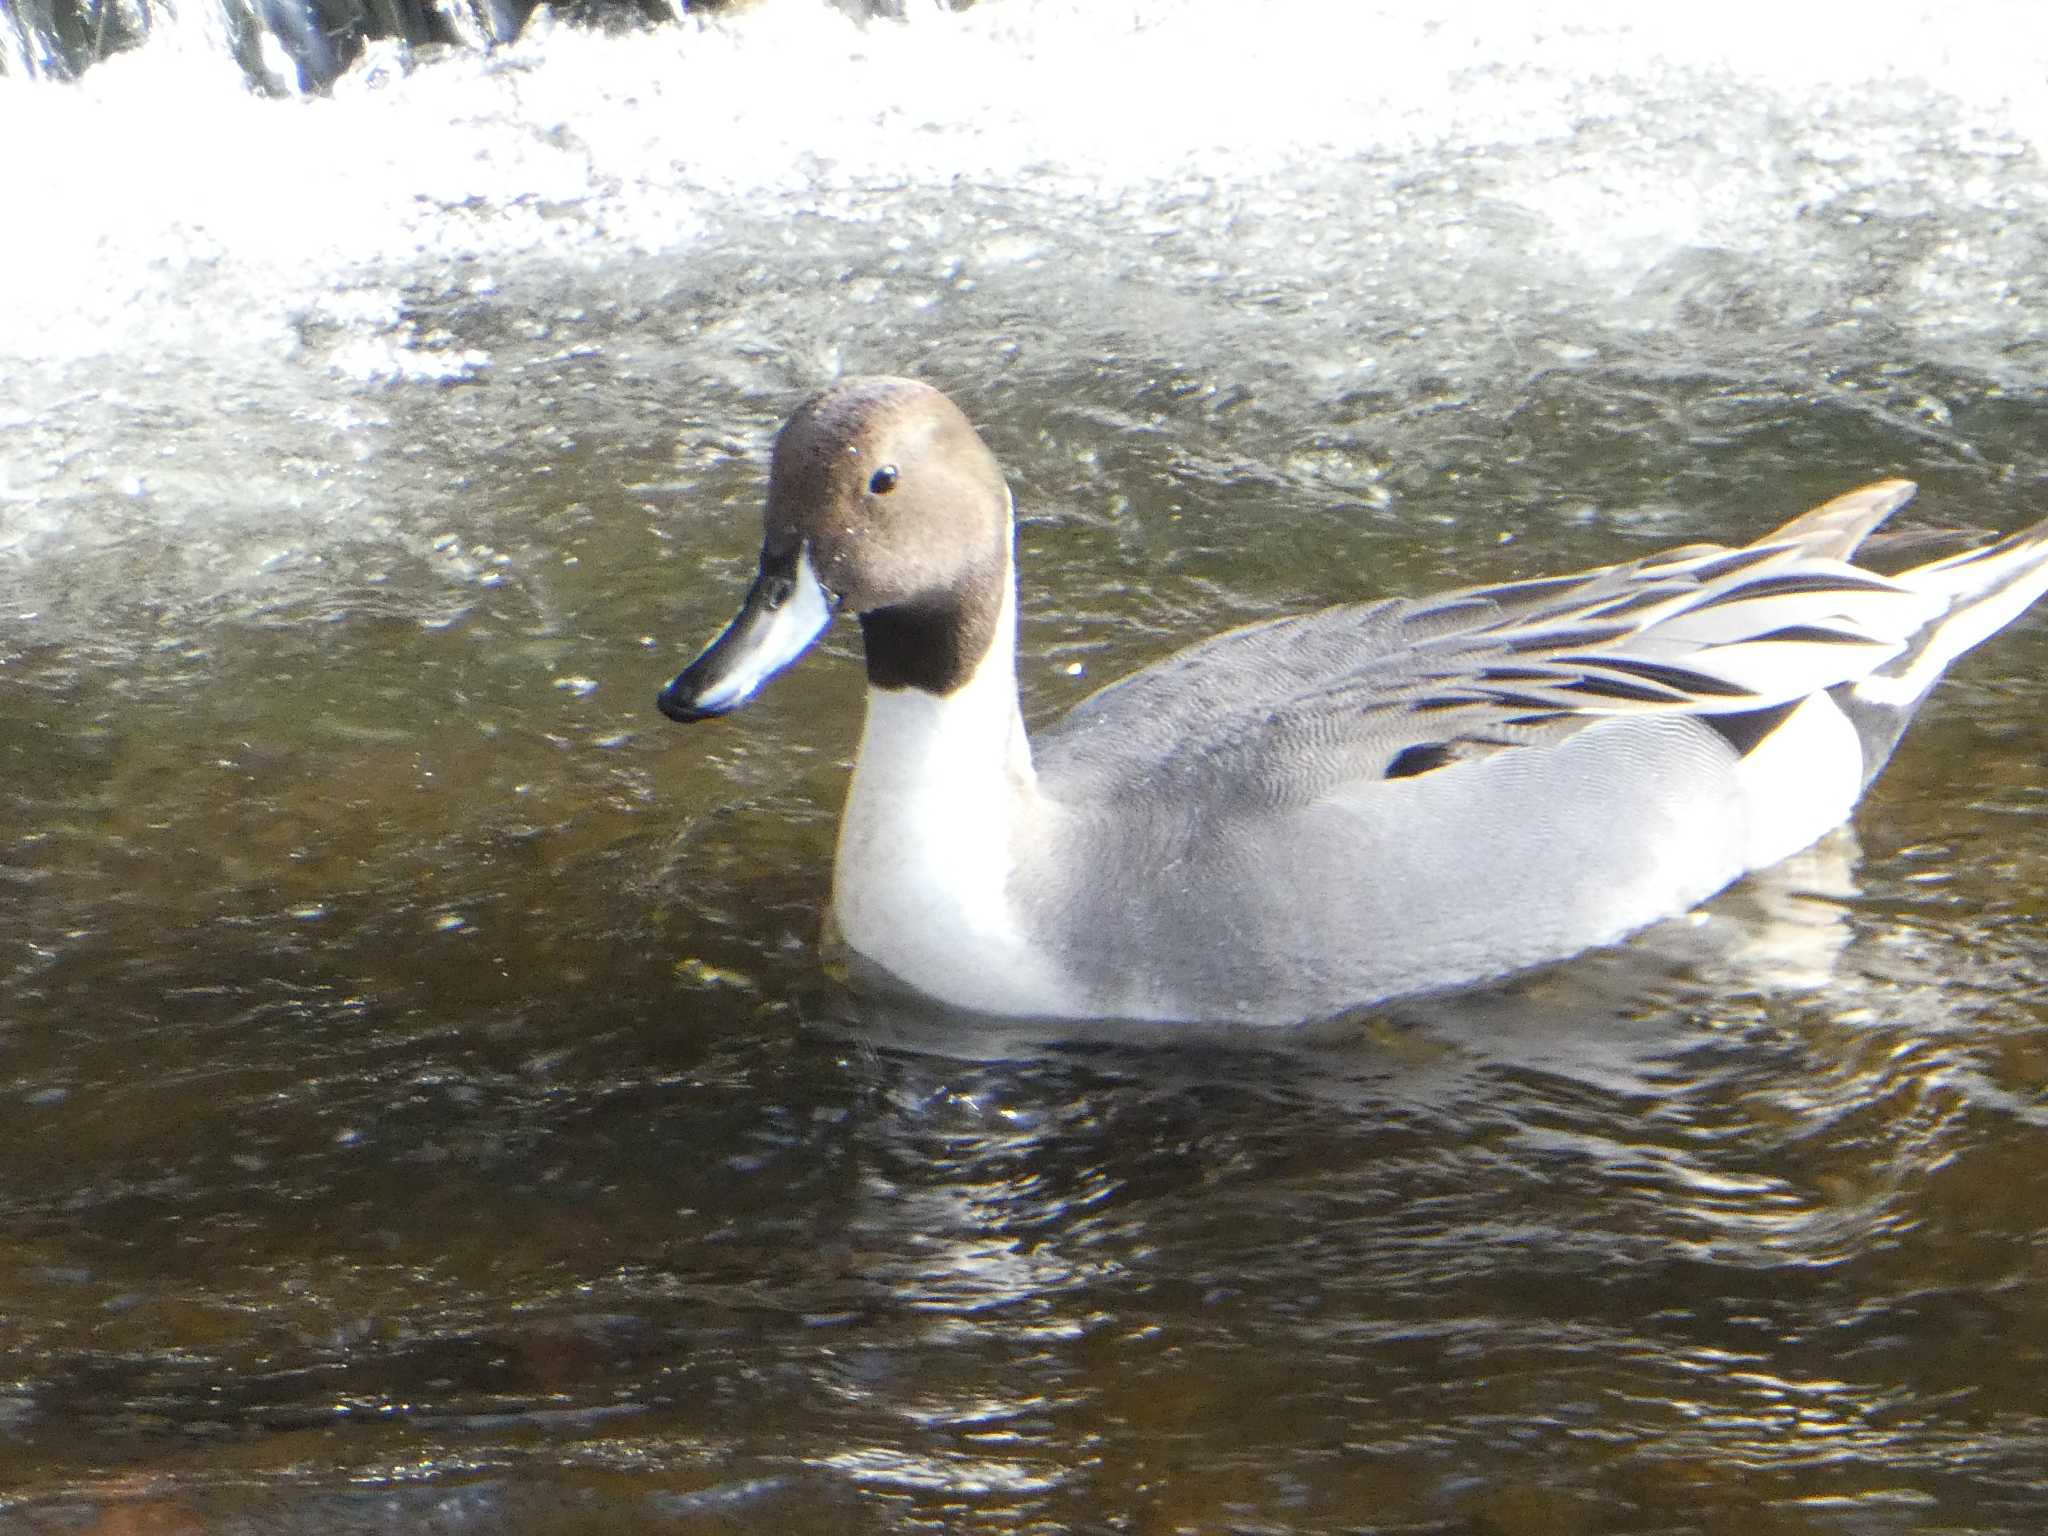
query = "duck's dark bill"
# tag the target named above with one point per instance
(785, 611)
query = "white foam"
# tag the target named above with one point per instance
(1336, 198)
(579, 145)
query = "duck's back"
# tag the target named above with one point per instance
(1271, 830)
(1341, 807)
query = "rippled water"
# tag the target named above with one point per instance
(422, 1108)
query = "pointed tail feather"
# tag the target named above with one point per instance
(1834, 528)
(1983, 589)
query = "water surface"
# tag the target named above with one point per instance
(423, 1107)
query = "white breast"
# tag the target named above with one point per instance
(942, 792)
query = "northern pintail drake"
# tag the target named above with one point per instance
(1306, 815)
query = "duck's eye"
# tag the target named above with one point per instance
(883, 480)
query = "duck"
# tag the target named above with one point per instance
(1319, 813)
